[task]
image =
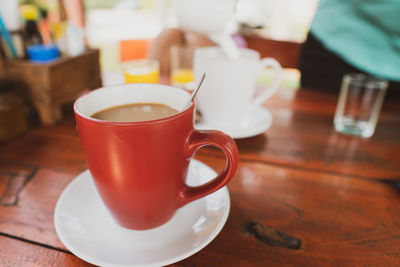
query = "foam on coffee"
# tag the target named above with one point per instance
(135, 112)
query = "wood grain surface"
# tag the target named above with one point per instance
(303, 195)
(15, 253)
(302, 136)
(287, 53)
(337, 220)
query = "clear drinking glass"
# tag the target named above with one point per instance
(181, 66)
(141, 71)
(360, 101)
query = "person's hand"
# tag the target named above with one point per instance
(195, 40)
(160, 46)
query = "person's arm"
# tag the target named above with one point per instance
(160, 46)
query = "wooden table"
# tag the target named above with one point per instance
(302, 195)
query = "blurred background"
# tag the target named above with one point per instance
(110, 22)
(286, 20)
(54, 50)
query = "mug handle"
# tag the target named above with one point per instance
(274, 64)
(222, 141)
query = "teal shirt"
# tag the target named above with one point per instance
(364, 33)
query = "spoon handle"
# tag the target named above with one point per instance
(198, 87)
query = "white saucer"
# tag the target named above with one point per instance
(255, 121)
(87, 229)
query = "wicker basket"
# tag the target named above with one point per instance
(54, 84)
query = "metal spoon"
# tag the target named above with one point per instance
(195, 91)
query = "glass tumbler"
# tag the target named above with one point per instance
(181, 66)
(360, 101)
(141, 71)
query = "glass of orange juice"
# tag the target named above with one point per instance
(181, 66)
(141, 71)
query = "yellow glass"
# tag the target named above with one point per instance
(182, 76)
(142, 71)
(181, 65)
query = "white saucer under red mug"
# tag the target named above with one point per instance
(86, 228)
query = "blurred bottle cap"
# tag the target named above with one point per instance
(30, 12)
(43, 53)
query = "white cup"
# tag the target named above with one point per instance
(210, 18)
(229, 87)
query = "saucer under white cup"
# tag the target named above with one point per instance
(255, 120)
(86, 228)
(229, 90)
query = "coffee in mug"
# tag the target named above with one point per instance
(135, 112)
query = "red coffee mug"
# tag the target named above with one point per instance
(140, 168)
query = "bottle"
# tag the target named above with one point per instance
(44, 27)
(59, 29)
(32, 34)
(9, 11)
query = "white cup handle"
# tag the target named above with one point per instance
(274, 64)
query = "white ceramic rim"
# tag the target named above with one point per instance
(106, 97)
(216, 53)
